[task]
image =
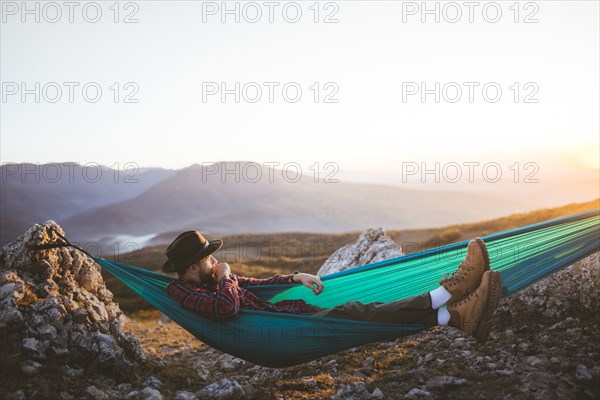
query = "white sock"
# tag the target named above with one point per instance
(443, 316)
(439, 297)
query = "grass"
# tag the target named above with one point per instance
(263, 255)
(160, 338)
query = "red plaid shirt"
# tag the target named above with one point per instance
(224, 301)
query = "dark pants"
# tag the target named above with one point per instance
(415, 309)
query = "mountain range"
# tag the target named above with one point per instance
(196, 197)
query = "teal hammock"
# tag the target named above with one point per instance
(523, 256)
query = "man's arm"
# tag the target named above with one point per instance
(222, 305)
(274, 280)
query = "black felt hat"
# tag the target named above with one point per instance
(187, 248)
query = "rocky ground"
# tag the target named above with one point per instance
(544, 344)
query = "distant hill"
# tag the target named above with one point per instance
(38, 192)
(193, 198)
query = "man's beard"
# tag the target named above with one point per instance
(210, 279)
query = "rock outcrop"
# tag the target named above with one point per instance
(55, 309)
(371, 246)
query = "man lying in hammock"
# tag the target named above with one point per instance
(465, 300)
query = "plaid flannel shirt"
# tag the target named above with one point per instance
(224, 300)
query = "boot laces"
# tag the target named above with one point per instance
(467, 298)
(454, 277)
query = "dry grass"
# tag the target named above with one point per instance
(263, 255)
(160, 338)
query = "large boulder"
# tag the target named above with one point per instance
(56, 309)
(371, 246)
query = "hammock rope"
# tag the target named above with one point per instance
(522, 255)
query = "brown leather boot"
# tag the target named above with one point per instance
(468, 275)
(473, 313)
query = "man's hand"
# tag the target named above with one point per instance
(222, 270)
(309, 281)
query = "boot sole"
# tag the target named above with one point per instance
(494, 293)
(486, 256)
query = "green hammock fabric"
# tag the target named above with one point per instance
(522, 255)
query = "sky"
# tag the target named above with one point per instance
(361, 68)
